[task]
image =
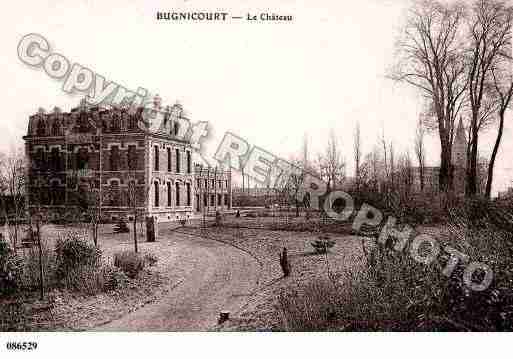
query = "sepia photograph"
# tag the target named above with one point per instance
(256, 178)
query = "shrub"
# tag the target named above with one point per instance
(322, 246)
(88, 279)
(129, 262)
(73, 251)
(31, 270)
(117, 279)
(151, 259)
(11, 269)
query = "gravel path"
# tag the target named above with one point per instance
(215, 277)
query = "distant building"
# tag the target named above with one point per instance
(459, 163)
(104, 150)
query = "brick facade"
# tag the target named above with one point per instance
(111, 153)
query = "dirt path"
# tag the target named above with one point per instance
(216, 277)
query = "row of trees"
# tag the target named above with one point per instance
(458, 56)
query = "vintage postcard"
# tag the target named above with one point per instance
(170, 168)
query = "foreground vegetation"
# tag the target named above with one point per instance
(394, 292)
(38, 288)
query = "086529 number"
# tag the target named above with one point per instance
(21, 346)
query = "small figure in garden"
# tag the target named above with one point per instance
(237, 215)
(284, 262)
(121, 227)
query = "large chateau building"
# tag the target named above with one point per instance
(107, 158)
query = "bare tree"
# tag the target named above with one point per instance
(429, 54)
(357, 152)
(490, 25)
(294, 182)
(420, 151)
(331, 163)
(503, 87)
(12, 182)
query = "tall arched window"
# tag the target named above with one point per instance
(177, 155)
(189, 167)
(177, 189)
(156, 193)
(188, 187)
(169, 194)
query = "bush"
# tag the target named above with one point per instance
(73, 251)
(11, 269)
(31, 270)
(129, 262)
(322, 245)
(117, 279)
(87, 279)
(151, 259)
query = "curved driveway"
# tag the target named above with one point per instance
(216, 277)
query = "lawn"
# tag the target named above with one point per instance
(265, 245)
(66, 310)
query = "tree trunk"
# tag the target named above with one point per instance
(445, 175)
(135, 233)
(494, 155)
(472, 171)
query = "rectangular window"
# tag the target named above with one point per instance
(156, 158)
(189, 162)
(205, 200)
(114, 158)
(219, 199)
(169, 194)
(132, 157)
(188, 187)
(177, 154)
(212, 200)
(169, 159)
(226, 200)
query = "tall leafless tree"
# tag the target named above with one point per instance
(490, 25)
(420, 151)
(503, 87)
(429, 58)
(357, 153)
(331, 163)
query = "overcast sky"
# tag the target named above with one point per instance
(269, 83)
